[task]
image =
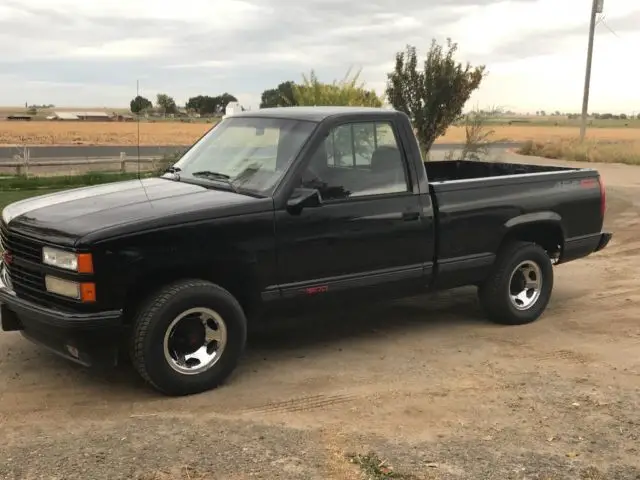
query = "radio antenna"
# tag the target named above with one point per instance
(146, 194)
(138, 127)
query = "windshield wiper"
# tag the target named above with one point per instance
(216, 176)
(210, 174)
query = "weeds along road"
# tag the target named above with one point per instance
(426, 384)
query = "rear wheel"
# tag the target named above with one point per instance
(188, 337)
(520, 285)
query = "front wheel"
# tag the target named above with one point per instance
(519, 287)
(188, 337)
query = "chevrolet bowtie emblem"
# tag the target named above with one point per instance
(7, 258)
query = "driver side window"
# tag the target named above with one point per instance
(355, 160)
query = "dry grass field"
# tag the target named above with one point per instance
(604, 151)
(178, 133)
(99, 133)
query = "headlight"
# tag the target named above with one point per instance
(77, 262)
(62, 287)
(85, 291)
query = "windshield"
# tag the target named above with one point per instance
(245, 153)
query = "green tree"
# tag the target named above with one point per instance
(224, 100)
(196, 104)
(346, 92)
(203, 104)
(140, 104)
(281, 96)
(206, 105)
(432, 97)
(166, 104)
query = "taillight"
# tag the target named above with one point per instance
(603, 197)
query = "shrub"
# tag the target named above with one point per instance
(347, 92)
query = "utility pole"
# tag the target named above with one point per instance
(596, 8)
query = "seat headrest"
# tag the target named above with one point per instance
(385, 158)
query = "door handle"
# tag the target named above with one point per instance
(410, 216)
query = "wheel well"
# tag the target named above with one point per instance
(546, 234)
(235, 282)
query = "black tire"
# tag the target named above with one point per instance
(154, 319)
(494, 292)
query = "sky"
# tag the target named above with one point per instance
(91, 53)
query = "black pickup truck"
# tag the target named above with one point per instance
(281, 211)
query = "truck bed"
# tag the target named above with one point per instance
(476, 202)
(449, 170)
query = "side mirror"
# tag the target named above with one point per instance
(303, 198)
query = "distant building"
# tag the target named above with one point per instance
(63, 116)
(20, 117)
(81, 116)
(123, 118)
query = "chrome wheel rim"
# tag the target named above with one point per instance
(525, 285)
(195, 340)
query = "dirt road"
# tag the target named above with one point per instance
(426, 384)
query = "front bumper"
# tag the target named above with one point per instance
(90, 339)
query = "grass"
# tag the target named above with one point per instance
(592, 473)
(374, 468)
(627, 152)
(563, 121)
(64, 181)
(179, 133)
(9, 197)
(18, 188)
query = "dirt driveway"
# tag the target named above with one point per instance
(426, 384)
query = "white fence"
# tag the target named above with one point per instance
(23, 165)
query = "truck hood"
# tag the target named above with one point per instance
(121, 207)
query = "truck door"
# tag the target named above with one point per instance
(371, 229)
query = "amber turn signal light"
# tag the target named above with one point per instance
(88, 292)
(85, 263)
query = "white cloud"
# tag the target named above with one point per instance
(205, 64)
(533, 49)
(126, 48)
(219, 14)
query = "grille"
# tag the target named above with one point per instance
(26, 270)
(27, 284)
(20, 246)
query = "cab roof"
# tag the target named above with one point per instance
(315, 114)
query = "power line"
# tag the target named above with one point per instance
(601, 20)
